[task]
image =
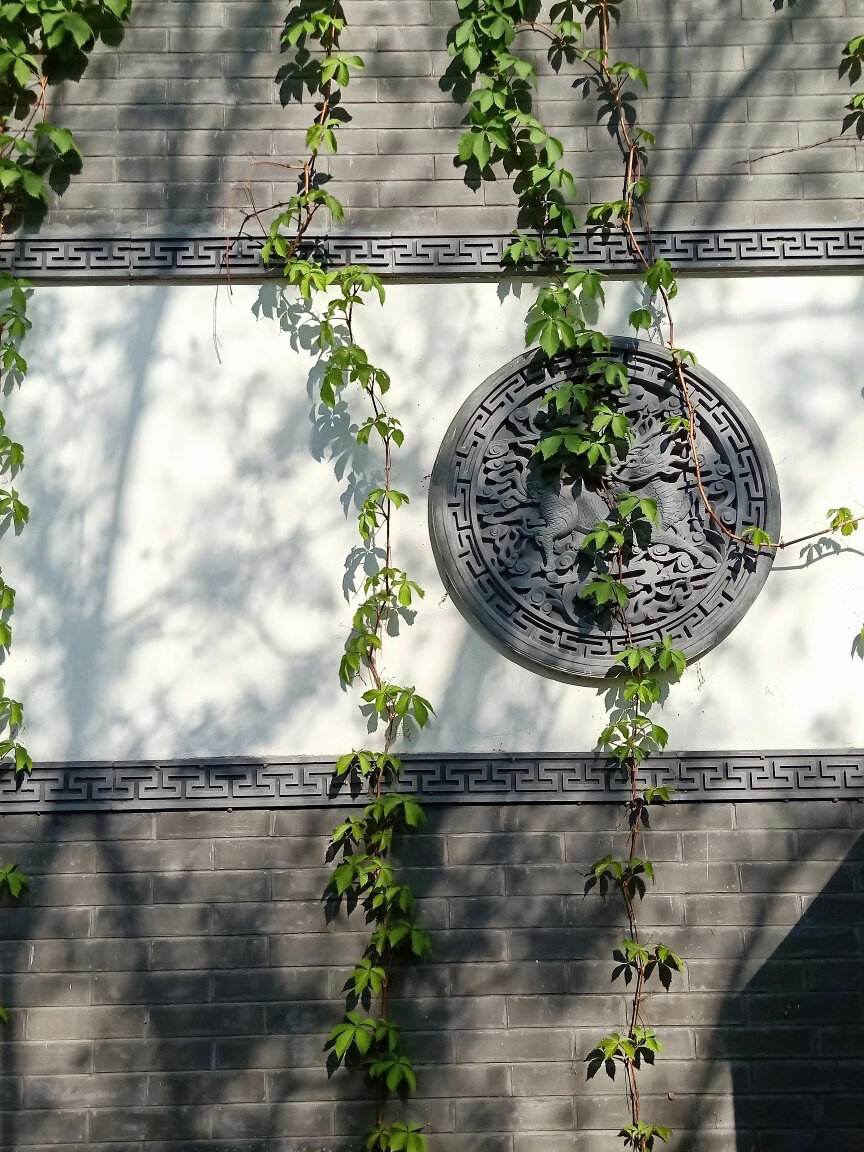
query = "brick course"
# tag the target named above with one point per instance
(196, 81)
(171, 978)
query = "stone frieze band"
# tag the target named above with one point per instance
(445, 779)
(209, 257)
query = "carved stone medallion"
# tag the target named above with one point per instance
(507, 531)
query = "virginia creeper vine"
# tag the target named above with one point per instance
(588, 432)
(367, 1037)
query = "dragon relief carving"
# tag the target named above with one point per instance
(508, 531)
(534, 519)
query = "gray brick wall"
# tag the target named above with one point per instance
(182, 125)
(171, 976)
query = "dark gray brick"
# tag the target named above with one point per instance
(104, 1090)
(279, 852)
(734, 909)
(180, 825)
(560, 1011)
(585, 848)
(151, 1055)
(804, 876)
(805, 941)
(479, 944)
(149, 988)
(235, 1087)
(280, 1051)
(167, 920)
(253, 918)
(51, 1057)
(504, 848)
(11, 1092)
(89, 955)
(808, 1007)
(679, 1113)
(205, 953)
(206, 1020)
(51, 858)
(806, 1076)
(455, 881)
(154, 856)
(46, 990)
(221, 887)
(85, 826)
(514, 1044)
(603, 911)
(280, 1119)
(560, 943)
(495, 979)
(741, 845)
(277, 984)
(85, 1023)
(506, 911)
(540, 1114)
(50, 1127)
(803, 814)
(725, 975)
(102, 889)
(827, 844)
(149, 1123)
(436, 1116)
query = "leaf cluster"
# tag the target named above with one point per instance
(395, 704)
(638, 1047)
(632, 738)
(843, 521)
(634, 960)
(41, 43)
(641, 1136)
(851, 64)
(628, 876)
(396, 1137)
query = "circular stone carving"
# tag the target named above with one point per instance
(507, 531)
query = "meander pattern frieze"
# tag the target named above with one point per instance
(509, 531)
(445, 779)
(206, 257)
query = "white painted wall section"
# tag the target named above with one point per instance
(182, 579)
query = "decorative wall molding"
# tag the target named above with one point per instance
(207, 257)
(475, 779)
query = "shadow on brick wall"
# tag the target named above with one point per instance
(795, 1034)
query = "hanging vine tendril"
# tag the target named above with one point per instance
(367, 1038)
(589, 432)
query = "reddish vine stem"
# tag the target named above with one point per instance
(633, 171)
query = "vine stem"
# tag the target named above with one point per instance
(632, 175)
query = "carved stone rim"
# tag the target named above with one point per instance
(460, 586)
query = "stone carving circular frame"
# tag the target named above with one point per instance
(506, 533)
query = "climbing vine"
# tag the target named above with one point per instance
(42, 42)
(367, 1038)
(588, 432)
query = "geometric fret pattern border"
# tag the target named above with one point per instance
(213, 257)
(451, 779)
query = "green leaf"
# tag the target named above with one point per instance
(641, 318)
(14, 879)
(482, 149)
